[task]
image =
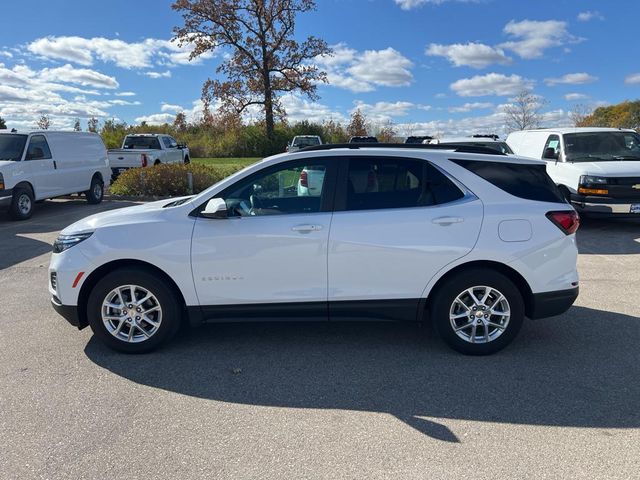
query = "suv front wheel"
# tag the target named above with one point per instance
(133, 311)
(478, 312)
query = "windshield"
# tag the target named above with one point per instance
(12, 146)
(141, 143)
(306, 141)
(590, 146)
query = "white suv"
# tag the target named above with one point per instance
(473, 242)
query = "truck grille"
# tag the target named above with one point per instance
(623, 187)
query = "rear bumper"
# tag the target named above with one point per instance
(5, 197)
(549, 304)
(604, 205)
(68, 312)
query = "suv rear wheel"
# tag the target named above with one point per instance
(133, 311)
(478, 312)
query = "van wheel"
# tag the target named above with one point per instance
(133, 311)
(21, 203)
(95, 193)
(157, 162)
(478, 312)
(187, 160)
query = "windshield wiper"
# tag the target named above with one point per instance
(627, 157)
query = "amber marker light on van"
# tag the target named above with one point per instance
(593, 191)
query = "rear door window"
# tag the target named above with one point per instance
(380, 183)
(527, 181)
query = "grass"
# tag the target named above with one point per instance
(242, 162)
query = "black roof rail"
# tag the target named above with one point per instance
(409, 146)
(492, 135)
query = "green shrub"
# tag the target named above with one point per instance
(169, 180)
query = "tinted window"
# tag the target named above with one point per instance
(552, 142)
(140, 143)
(377, 183)
(38, 148)
(295, 188)
(12, 146)
(525, 181)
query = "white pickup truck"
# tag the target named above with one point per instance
(597, 169)
(146, 150)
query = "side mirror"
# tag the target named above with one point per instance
(215, 208)
(550, 154)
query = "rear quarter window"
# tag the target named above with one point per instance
(527, 181)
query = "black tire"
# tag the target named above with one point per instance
(166, 298)
(443, 305)
(95, 194)
(187, 160)
(22, 203)
(156, 163)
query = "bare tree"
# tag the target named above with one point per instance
(579, 114)
(386, 132)
(524, 112)
(358, 125)
(44, 122)
(180, 122)
(76, 125)
(265, 59)
(92, 125)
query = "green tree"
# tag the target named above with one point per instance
(265, 59)
(621, 115)
(3, 124)
(76, 125)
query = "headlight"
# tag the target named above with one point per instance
(591, 180)
(64, 242)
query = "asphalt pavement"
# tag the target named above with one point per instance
(320, 400)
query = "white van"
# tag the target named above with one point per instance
(45, 164)
(597, 169)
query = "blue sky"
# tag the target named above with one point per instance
(428, 66)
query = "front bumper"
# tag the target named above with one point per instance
(5, 197)
(550, 304)
(604, 205)
(68, 312)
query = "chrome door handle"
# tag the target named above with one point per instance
(447, 220)
(306, 228)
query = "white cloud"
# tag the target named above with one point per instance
(364, 71)
(299, 109)
(467, 107)
(590, 15)
(571, 79)
(491, 84)
(534, 37)
(381, 112)
(633, 79)
(4, 53)
(167, 107)
(144, 54)
(80, 76)
(123, 102)
(476, 55)
(572, 97)
(125, 94)
(166, 74)
(410, 4)
(156, 118)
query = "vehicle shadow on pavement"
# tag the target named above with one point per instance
(614, 236)
(16, 242)
(577, 370)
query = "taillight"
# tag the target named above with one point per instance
(143, 159)
(567, 221)
(304, 179)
